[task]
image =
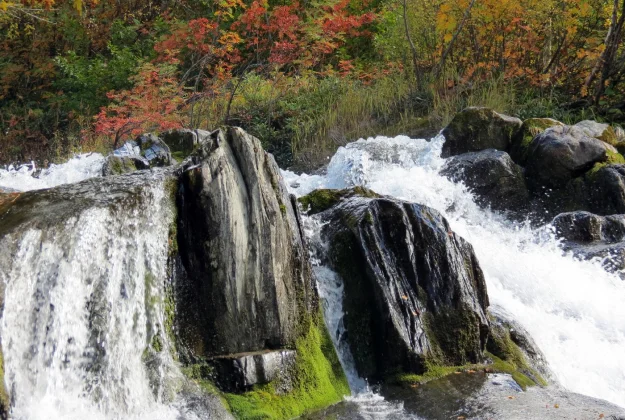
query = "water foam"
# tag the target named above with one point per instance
(573, 309)
(79, 168)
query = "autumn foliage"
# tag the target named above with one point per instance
(78, 70)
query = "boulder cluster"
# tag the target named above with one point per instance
(540, 169)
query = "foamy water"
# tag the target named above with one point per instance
(574, 310)
(77, 169)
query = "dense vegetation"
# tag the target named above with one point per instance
(303, 75)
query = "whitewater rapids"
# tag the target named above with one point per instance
(574, 310)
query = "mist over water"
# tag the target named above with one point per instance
(573, 309)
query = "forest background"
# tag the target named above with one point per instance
(304, 76)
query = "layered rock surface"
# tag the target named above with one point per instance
(249, 280)
(414, 291)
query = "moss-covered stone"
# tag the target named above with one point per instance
(454, 336)
(321, 200)
(523, 138)
(317, 382)
(477, 128)
(118, 165)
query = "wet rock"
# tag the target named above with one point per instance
(605, 189)
(414, 290)
(583, 226)
(493, 177)
(475, 129)
(240, 372)
(589, 236)
(560, 154)
(147, 151)
(523, 138)
(244, 259)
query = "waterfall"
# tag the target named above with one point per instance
(573, 309)
(83, 328)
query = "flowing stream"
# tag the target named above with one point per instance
(84, 299)
(573, 309)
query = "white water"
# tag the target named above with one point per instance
(77, 169)
(574, 310)
(82, 301)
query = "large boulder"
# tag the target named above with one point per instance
(492, 176)
(414, 292)
(523, 138)
(477, 128)
(561, 153)
(601, 131)
(145, 152)
(248, 278)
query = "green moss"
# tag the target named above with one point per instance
(529, 130)
(454, 335)
(615, 157)
(509, 358)
(282, 209)
(318, 381)
(321, 200)
(157, 343)
(433, 371)
(179, 155)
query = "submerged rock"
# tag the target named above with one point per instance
(476, 129)
(414, 291)
(560, 154)
(247, 272)
(492, 176)
(590, 236)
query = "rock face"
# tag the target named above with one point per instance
(248, 276)
(241, 372)
(493, 177)
(414, 290)
(560, 154)
(476, 129)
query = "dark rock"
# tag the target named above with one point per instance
(182, 142)
(240, 372)
(492, 176)
(583, 226)
(414, 290)
(248, 276)
(589, 236)
(560, 154)
(523, 138)
(475, 129)
(605, 189)
(147, 151)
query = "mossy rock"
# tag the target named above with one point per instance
(478, 128)
(523, 138)
(322, 199)
(317, 381)
(4, 396)
(118, 165)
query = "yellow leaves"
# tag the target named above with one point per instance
(448, 37)
(4, 6)
(78, 6)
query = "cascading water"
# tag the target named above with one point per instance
(369, 404)
(572, 309)
(83, 328)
